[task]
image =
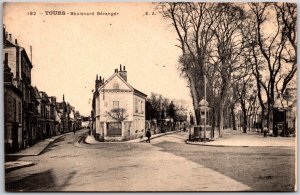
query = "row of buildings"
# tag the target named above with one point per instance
(31, 115)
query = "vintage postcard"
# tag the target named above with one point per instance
(150, 97)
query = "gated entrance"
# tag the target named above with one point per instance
(114, 129)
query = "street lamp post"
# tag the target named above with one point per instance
(205, 106)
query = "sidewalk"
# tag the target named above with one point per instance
(34, 150)
(152, 137)
(91, 139)
(37, 148)
(237, 138)
(9, 166)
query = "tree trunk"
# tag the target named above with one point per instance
(194, 96)
(213, 119)
(221, 119)
(270, 118)
(244, 116)
(233, 117)
(262, 120)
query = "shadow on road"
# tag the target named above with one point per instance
(261, 168)
(43, 182)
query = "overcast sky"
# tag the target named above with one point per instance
(68, 51)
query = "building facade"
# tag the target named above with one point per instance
(118, 108)
(20, 65)
(12, 112)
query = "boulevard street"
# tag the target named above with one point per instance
(166, 164)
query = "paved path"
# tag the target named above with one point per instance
(34, 150)
(39, 147)
(151, 170)
(237, 138)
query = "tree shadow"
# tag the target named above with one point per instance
(261, 168)
(53, 145)
(39, 182)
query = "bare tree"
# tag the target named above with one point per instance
(287, 17)
(269, 51)
(228, 48)
(192, 22)
(117, 114)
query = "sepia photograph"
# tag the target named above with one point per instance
(150, 96)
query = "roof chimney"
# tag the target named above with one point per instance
(9, 36)
(123, 73)
(120, 67)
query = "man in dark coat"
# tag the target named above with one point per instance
(148, 135)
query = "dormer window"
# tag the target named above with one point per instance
(116, 86)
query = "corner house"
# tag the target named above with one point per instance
(119, 108)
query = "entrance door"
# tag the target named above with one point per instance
(15, 136)
(114, 129)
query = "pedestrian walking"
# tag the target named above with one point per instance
(148, 135)
(265, 131)
(74, 129)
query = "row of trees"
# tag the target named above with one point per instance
(159, 107)
(247, 52)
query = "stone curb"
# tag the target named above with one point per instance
(222, 145)
(18, 165)
(49, 140)
(217, 145)
(130, 141)
(160, 135)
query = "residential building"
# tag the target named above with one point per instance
(71, 116)
(52, 115)
(44, 115)
(62, 113)
(34, 115)
(20, 65)
(40, 119)
(12, 112)
(118, 108)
